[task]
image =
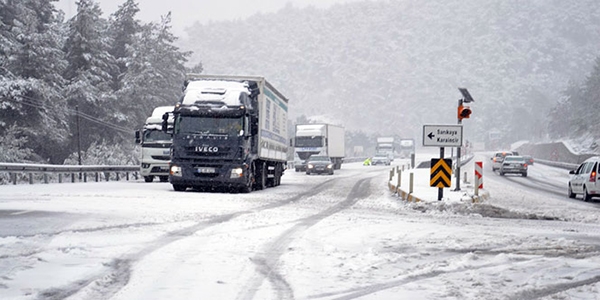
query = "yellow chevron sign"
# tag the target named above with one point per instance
(441, 172)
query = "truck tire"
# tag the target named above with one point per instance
(179, 188)
(261, 176)
(148, 178)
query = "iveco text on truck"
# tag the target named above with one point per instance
(230, 132)
(320, 139)
(156, 146)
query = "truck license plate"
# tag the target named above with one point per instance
(206, 170)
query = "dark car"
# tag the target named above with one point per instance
(513, 164)
(317, 164)
(528, 159)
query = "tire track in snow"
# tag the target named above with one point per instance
(116, 276)
(267, 263)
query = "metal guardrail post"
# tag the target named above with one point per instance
(117, 176)
(96, 176)
(411, 183)
(59, 177)
(127, 175)
(84, 177)
(73, 177)
(13, 178)
(30, 178)
(46, 178)
(399, 179)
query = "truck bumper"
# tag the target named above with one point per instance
(154, 169)
(208, 176)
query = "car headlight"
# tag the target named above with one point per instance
(310, 166)
(236, 173)
(329, 166)
(175, 171)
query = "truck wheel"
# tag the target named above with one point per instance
(179, 188)
(148, 178)
(261, 182)
(163, 178)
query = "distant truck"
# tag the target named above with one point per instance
(386, 145)
(320, 139)
(156, 146)
(406, 148)
(229, 132)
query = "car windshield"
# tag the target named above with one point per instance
(511, 158)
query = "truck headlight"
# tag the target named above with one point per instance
(237, 173)
(145, 165)
(175, 171)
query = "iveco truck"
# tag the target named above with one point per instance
(156, 146)
(229, 132)
(320, 139)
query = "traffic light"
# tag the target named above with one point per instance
(464, 112)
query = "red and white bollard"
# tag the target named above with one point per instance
(478, 177)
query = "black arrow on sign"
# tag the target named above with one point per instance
(431, 135)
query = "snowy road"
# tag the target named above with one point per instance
(313, 237)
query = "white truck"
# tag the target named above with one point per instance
(385, 144)
(320, 139)
(406, 148)
(229, 132)
(156, 146)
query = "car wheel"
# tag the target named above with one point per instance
(586, 196)
(570, 192)
(501, 173)
(524, 174)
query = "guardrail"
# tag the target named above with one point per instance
(55, 173)
(568, 166)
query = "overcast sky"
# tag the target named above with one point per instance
(186, 12)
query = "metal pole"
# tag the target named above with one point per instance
(460, 102)
(441, 190)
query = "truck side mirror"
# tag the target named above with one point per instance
(137, 137)
(165, 123)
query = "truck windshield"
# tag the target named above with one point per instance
(209, 125)
(151, 136)
(309, 141)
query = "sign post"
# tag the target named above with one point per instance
(441, 169)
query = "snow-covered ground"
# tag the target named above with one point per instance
(314, 237)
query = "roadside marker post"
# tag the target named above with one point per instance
(478, 177)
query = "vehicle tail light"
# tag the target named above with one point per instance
(593, 176)
(525, 165)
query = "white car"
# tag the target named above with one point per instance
(380, 159)
(586, 180)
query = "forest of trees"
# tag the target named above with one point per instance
(83, 83)
(88, 82)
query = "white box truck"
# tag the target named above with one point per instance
(156, 146)
(319, 139)
(229, 132)
(385, 144)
